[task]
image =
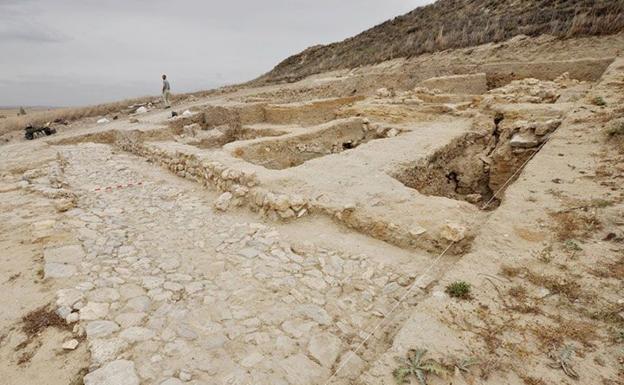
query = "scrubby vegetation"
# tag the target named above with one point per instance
(616, 128)
(419, 367)
(599, 101)
(459, 289)
(456, 24)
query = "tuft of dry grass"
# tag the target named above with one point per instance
(528, 380)
(609, 314)
(613, 270)
(518, 292)
(563, 286)
(25, 357)
(33, 324)
(521, 301)
(511, 272)
(615, 129)
(40, 319)
(568, 287)
(556, 334)
(575, 224)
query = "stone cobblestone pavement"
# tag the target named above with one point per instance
(167, 291)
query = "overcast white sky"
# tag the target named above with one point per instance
(76, 52)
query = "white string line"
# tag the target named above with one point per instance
(385, 317)
(431, 265)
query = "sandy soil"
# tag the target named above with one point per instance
(31, 358)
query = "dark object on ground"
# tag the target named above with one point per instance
(21, 112)
(31, 132)
(115, 117)
(174, 114)
(40, 319)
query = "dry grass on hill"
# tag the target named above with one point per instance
(455, 24)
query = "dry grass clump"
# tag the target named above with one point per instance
(615, 129)
(565, 286)
(556, 334)
(521, 302)
(575, 224)
(609, 314)
(528, 380)
(35, 323)
(613, 270)
(448, 24)
(519, 293)
(40, 319)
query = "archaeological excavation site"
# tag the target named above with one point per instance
(455, 216)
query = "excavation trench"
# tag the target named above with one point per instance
(295, 149)
(479, 166)
(220, 136)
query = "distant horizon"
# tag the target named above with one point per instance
(130, 97)
(83, 52)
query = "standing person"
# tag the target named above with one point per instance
(166, 92)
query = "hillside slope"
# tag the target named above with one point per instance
(455, 24)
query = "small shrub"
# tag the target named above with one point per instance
(572, 246)
(511, 272)
(600, 203)
(544, 255)
(459, 289)
(615, 129)
(518, 292)
(599, 101)
(562, 360)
